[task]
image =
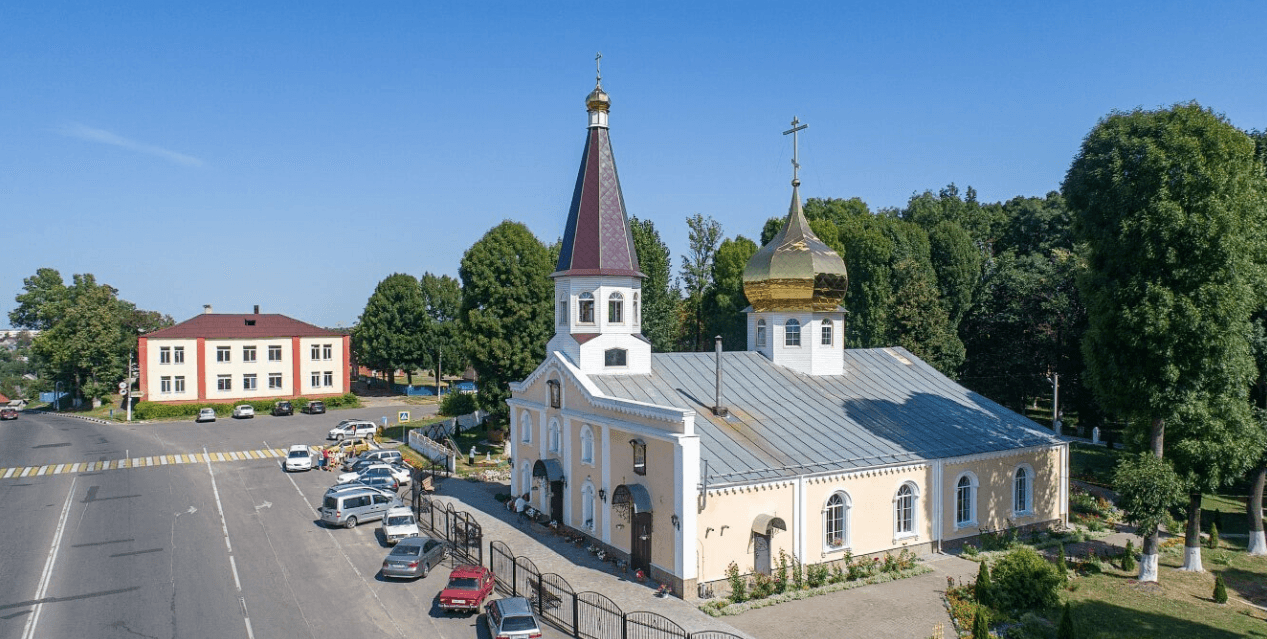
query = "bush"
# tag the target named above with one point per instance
(1060, 560)
(980, 626)
(454, 404)
(1032, 626)
(1023, 580)
(981, 589)
(738, 585)
(1066, 625)
(1220, 590)
(1214, 535)
(1128, 556)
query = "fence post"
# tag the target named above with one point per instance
(624, 625)
(576, 614)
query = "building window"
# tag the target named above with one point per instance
(222, 354)
(556, 393)
(826, 332)
(587, 445)
(639, 456)
(587, 506)
(637, 314)
(180, 383)
(904, 511)
(554, 436)
(563, 311)
(614, 357)
(248, 353)
(316, 379)
(760, 333)
(248, 382)
(792, 333)
(835, 523)
(224, 382)
(274, 380)
(966, 500)
(328, 378)
(525, 429)
(616, 308)
(316, 352)
(165, 385)
(327, 352)
(274, 353)
(164, 355)
(178, 354)
(585, 308)
(1022, 489)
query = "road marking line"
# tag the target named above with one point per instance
(136, 462)
(149, 461)
(219, 456)
(233, 457)
(58, 470)
(74, 468)
(8, 472)
(26, 471)
(29, 631)
(41, 471)
(163, 460)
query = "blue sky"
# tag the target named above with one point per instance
(292, 155)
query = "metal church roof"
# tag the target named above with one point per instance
(889, 407)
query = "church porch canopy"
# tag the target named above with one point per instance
(767, 524)
(632, 496)
(548, 469)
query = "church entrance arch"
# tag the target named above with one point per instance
(632, 503)
(763, 528)
(549, 473)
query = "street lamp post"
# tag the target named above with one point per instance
(57, 397)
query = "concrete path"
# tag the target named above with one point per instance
(582, 570)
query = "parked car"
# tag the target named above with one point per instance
(283, 408)
(206, 415)
(349, 507)
(468, 587)
(8, 413)
(385, 456)
(511, 618)
(352, 428)
(377, 470)
(349, 447)
(315, 408)
(413, 558)
(384, 483)
(398, 524)
(243, 411)
(299, 458)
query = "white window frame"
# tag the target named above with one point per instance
(553, 443)
(180, 384)
(525, 480)
(562, 313)
(164, 355)
(585, 308)
(224, 383)
(898, 531)
(587, 445)
(637, 309)
(327, 378)
(327, 352)
(845, 506)
(274, 353)
(248, 354)
(525, 427)
(165, 384)
(274, 380)
(966, 493)
(224, 354)
(250, 382)
(1028, 505)
(792, 332)
(587, 506)
(315, 352)
(178, 354)
(761, 333)
(827, 332)
(616, 308)
(315, 378)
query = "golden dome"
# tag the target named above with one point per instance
(598, 100)
(795, 271)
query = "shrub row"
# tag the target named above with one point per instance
(453, 404)
(155, 410)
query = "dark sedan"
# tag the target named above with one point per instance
(413, 557)
(8, 413)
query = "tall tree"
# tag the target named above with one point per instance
(1168, 203)
(697, 275)
(724, 301)
(507, 310)
(659, 296)
(42, 301)
(957, 262)
(389, 333)
(441, 338)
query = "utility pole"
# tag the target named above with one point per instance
(127, 396)
(1055, 402)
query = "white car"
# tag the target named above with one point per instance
(398, 524)
(298, 458)
(401, 475)
(243, 411)
(206, 415)
(352, 428)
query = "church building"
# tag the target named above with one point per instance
(687, 462)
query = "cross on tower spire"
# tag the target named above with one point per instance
(796, 126)
(598, 65)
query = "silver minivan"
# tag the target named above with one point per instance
(511, 618)
(349, 506)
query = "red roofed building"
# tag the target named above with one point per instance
(226, 357)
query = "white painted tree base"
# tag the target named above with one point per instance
(1192, 559)
(1257, 543)
(1148, 567)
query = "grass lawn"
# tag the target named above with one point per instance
(1093, 464)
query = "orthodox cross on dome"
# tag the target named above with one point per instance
(598, 65)
(796, 126)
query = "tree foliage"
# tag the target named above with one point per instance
(1147, 488)
(388, 335)
(441, 338)
(660, 297)
(724, 301)
(697, 276)
(507, 309)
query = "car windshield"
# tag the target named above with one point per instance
(518, 624)
(464, 583)
(406, 550)
(400, 520)
(298, 453)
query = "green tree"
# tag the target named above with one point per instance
(659, 296)
(42, 301)
(441, 337)
(920, 321)
(1168, 204)
(697, 276)
(980, 626)
(1066, 629)
(981, 589)
(1147, 487)
(507, 310)
(388, 335)
(957, 262)
(724, 301)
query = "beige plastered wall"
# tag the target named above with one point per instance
(994, 507)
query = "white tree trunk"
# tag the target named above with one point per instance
(1192, 559)
(1257, 543)
(1148, 568)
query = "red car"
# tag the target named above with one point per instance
(468, 587)
(8, 413)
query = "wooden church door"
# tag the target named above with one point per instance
(640, 543)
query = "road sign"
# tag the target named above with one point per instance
(403, 417)
(123, 387)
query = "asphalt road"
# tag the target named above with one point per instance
(221, 549)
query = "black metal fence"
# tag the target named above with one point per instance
(458, 527)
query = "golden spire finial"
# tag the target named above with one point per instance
(795, 165)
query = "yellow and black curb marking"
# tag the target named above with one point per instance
(20, 472)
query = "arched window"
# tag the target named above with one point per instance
(826, 332)
(836, 521)
(525, 428)
(904, 511)
(563, 310)
(637, 314)
(1022, 491)
(792, 333)
(554, 436)
(525, 479)
(587, 444)
(616, 308)
(966, 500)
(587, 506)
(761, 333)
(585, 308)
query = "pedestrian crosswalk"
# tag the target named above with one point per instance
(21, 472)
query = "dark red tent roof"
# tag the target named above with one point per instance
(245, 326)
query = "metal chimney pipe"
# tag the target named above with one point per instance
(718, 408)
(257, 309)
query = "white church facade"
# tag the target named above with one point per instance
(687, 462)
